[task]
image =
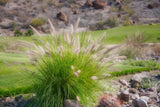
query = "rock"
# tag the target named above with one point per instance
(124, 96)
(134, 96)
(5, 25)
(139, 103)
(123, 82)
(145, 98)
(158, 88)
(89, 3)
(75, 11)
(62, 16)
(109, 101)
(19, 98)
(99, 4)
(135, 84)
(152, 105)
(132, 90)
(153, 5)
(72, 103)
(152, 89)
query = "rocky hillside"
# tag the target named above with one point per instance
(17, 15)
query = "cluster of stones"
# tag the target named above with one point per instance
(13, 101)
(134, 96)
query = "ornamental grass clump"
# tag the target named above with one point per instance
(69, 67)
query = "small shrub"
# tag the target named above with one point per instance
(158, 38)
(112, 22)
(128, 10)
(136, 39)
(127, 23)
(133, 46)
(152, 24)
(37, 22)
(3, 2)
(18, 33)
(13, 25)
(114, 9)
(29, 33)
(129, 52)
(101, 25)
(147, 83)
(156, 49)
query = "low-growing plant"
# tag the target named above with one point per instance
(37, 22)
(3, 2)
(127, 23)
(112, 22)
(148, 83)
(18, 33)
(142, 63)
(133, 46)
(29, 33)
(129, 52)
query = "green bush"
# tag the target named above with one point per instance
(68, 69)
(129, 52)
(37, 22)
(112, 22)
(18, 33)
(29, 33)
(142, 63)
(66, 77)
(147, 83)
(3, 2)
(127, 23)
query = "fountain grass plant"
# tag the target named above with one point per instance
(69, 67)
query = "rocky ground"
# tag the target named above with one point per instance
(17, 15)
(139, 90)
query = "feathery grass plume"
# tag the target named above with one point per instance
(39, 34)
(67, 69)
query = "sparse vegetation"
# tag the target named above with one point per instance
(109, 23)
(18, 33)
(37, 22)
(29, 33)
(3, 2)
(133, 46)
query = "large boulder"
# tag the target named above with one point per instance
(62, 16)
(99, 4)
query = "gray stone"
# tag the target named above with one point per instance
(134, 96)
(139, 77)
(123, 82)
(72, 103)
(132, 90)
(139, 103)
(145, 98)
(19, 98)
(124, 96)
